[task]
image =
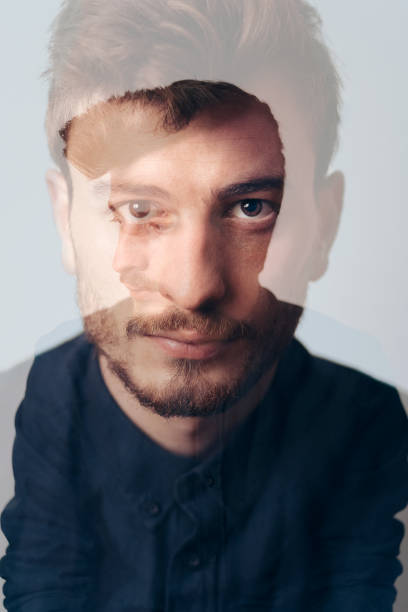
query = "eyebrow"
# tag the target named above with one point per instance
(106, 189)
(265, 183)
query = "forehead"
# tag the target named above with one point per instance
(113, 137)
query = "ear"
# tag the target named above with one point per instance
(329, 200)
(58, 190)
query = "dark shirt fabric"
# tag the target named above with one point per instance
(293, 512)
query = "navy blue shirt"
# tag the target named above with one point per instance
(294, 511)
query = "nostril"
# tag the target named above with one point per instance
(195, 293)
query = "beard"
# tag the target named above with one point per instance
(190, 387)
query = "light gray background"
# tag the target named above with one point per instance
(358, 311)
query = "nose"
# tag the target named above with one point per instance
(186, 265)
(191, 267)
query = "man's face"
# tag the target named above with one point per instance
(169, 242)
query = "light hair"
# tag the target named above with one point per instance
(103, 49)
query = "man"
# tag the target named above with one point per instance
(188, 454)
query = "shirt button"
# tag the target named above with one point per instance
(152, 508)
(194, 561)
(209, 480)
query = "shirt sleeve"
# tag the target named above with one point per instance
(48, 563)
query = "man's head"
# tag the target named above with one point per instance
(175, 194)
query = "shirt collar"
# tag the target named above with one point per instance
(151, 477)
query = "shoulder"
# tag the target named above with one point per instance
(346, 407)
(334, 383)
(55, 372)
(52, 401)
(331, 380)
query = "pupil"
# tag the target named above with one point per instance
(138, 209)
(252, 208)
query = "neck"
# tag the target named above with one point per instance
(188, 436)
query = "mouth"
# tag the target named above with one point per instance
(188, 345)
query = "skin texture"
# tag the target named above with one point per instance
(168, 245)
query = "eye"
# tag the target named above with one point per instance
(254, 208)
(135, 211)
(139, 210)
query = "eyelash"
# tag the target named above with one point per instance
(274, 208)
(135, 228)
(112, 214)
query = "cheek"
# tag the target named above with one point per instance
(95, 242)
(246, 256)
(250, 250)
(95, 238)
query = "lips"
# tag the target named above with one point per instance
(188, 345)
(189, 336)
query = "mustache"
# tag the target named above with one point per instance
(213, 325)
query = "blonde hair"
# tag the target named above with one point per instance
(104, 49)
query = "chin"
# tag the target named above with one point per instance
(193, 390)
(174, 387)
